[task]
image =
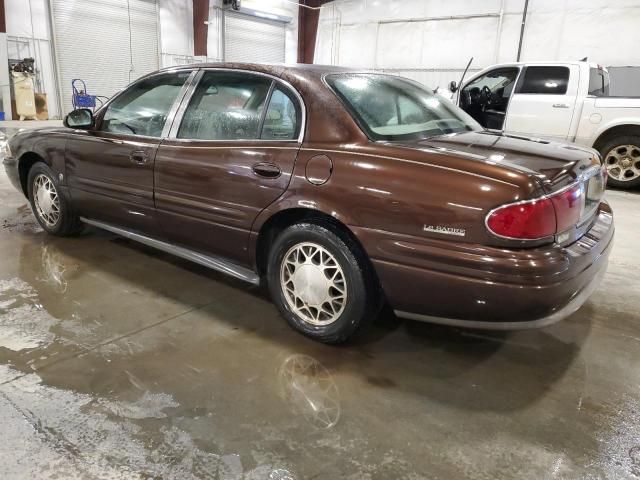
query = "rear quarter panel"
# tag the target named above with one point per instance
(383, 189)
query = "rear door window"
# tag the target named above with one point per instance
(283, 118)
(548, 80)
(225, 106)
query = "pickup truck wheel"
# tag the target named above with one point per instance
(49, 206)
(622, 158)
(320, 283)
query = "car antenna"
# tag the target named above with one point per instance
(464, 73)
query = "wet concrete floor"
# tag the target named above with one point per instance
(117, 361)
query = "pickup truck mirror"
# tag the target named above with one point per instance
(81, 118)
(453, 86)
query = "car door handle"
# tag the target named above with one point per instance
(139, 157)
(560, 105)
(267, 170)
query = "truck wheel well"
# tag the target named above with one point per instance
(613, 132)
(27, 161)
(281, 220)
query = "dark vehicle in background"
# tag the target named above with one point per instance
(343, 190)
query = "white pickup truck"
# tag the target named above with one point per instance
(559, 101)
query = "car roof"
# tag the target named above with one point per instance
(277, 69)
(550, 62)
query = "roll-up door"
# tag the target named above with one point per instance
(251, 39)
(106, 43)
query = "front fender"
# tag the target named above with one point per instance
(47, 145)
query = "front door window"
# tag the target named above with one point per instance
(143, 108)
(487, 97)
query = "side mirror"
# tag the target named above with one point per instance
(81, 118)
(453, 86)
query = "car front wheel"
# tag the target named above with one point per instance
(51, 209)
(321, 282)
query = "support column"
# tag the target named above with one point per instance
(200, 29)
(308, 28)
(5, 89)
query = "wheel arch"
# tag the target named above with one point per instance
(27, 160)
(282, 219)
(616, 131)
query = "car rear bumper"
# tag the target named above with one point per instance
(485, 287)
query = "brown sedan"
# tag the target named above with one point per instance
(342, 189)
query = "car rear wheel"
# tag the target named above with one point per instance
(49, 206)
(621, 156)
(321, 282)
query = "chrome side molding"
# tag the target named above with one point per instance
(212, 262)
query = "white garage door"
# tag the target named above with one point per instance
(249, 39)
(107, 43)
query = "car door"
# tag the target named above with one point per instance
(544, 101)
(109, 168)
(230, 153)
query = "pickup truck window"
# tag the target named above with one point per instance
(544, 80)
(486, 98)
(598, 82)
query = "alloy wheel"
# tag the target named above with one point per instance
(46, 200)
(623, 162)
(313, 283)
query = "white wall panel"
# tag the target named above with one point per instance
(251, 39)
(605, 31)
(104, 43)
(450, 44)
(19, 15)
(405, 41)
(363, 35)
(176, 27)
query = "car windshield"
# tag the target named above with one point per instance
(393, 108)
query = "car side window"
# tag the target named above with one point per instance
(225, 106)
(545, 80)
(142, 109)
(282, 121)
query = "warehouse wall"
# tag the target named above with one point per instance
(429, 40)
(28, 35)
(176, 25)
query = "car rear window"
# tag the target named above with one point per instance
(393, 108)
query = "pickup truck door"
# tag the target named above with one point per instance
(544, 101)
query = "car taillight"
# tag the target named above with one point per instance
(538, 218)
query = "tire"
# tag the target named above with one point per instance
(52, 211)
(331, 312)
(621, 155)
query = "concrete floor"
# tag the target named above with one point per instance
(117, 361)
